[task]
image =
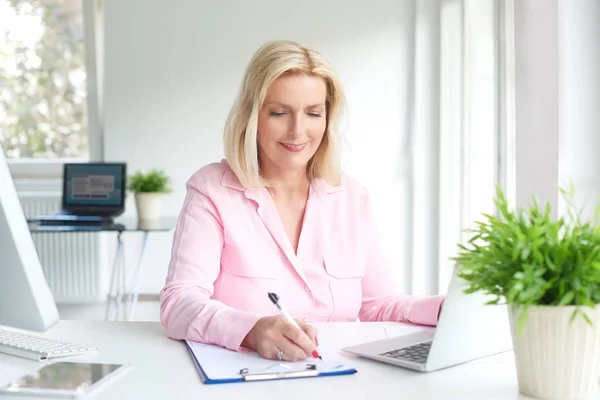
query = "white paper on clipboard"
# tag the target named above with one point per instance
(220, 364)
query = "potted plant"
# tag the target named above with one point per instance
(547, 271)
(149, 189)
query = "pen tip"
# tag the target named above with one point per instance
(320, 358)
(274, 298)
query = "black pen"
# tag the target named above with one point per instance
(275, 299)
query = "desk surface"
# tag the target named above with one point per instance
(161, 368)
(120, 224)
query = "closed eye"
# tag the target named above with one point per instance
(275, 114)
(315, 115)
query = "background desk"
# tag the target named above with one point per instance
(125, 279)
(161, 368)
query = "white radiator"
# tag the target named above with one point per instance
(71, 260)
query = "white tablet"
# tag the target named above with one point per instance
(63, 379)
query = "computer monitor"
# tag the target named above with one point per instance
(26, 301)
(94, 188)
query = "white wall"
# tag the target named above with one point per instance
(579, 100)
(557, 101)
(173, 68)
(536, 101)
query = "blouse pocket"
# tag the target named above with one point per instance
(344, 267)
(246, 278)
(345, 283)
(248, 263)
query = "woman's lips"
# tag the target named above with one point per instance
(295, 148)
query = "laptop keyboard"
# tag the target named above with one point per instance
(417, 353)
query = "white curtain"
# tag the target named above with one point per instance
(557, 76)
(453, 135)
(579, 101)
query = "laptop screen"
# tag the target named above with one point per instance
(94, 185)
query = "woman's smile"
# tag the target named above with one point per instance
(296, 148)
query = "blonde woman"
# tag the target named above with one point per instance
(278, 216)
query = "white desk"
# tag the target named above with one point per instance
(161, 368)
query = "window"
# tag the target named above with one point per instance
(471, 142)
(43, 88)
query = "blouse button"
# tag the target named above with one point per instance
(307, 288)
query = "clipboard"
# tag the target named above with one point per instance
(217, 365)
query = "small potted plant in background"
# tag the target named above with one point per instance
(547, 270)
(149, 189)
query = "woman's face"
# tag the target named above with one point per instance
(291, 123)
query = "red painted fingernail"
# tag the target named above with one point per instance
(315, 354)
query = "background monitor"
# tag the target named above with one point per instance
(94, 188)
(26, 301)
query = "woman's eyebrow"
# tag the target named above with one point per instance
(288, 106)
(279, 104)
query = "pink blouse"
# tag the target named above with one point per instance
(230, 249)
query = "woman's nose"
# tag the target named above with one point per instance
(297, 125)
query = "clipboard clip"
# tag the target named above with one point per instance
(307, 371)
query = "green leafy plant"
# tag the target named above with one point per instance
(155, 181)
(524, 257)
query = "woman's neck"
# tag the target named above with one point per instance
(288, 184)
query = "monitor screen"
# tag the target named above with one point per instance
(96, 185)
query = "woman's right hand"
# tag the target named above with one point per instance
(273, 334)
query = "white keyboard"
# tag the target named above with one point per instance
(36, 348)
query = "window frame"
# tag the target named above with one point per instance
(505, 96)
(32, 169)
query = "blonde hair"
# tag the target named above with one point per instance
(271, 61)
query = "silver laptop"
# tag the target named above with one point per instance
(467, 330)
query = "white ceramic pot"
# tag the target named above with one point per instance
(148, 205)
(557, 358)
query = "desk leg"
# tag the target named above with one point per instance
(137, 278)
(118, 270)
(122, 290)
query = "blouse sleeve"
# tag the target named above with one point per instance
(186, 310)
